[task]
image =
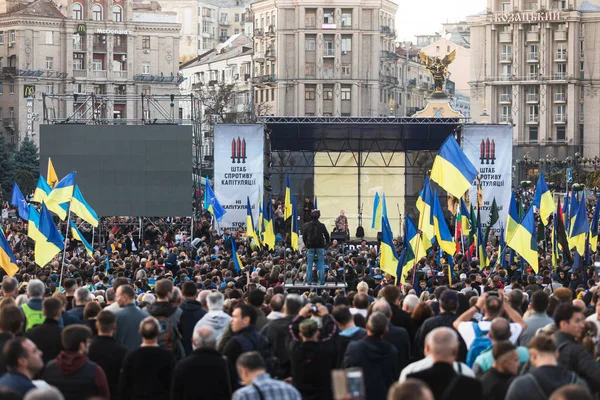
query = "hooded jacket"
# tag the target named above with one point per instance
(191, 313)
(576, 358)
(76, 376)
(216, 319)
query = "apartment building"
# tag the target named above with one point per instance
(534, 64)
(116, 50)
(338, 58)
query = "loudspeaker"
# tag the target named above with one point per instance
(339, 236)
(379, 236)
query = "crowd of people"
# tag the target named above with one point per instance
(162, 312)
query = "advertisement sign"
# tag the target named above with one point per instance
(239, 169)
(489, 148)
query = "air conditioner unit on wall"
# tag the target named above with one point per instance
(146, 51)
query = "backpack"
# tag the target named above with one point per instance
(481, 343)
(170, 337)
(33, 317)
(257, 342)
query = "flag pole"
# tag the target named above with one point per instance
(420, 233)
(62, 267)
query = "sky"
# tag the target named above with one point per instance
(418, 17)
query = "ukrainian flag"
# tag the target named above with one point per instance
(33, 224)
(513, 217)
(80, 207)
(573, 207)
(211, 204)
(407, 256)
(442, 233)
(51, 243)
(52, 177)
(481, 245)
(237, 261)
(295, 227)
(377, 212)
(594, 228)
(523, 241)
(425, 205)
(268, 230)
(579, 228)
(464, 218)
(287, 211)
(7, 259)
(452, 170)
(250, 232)
(389, 260)
(42, 190)
(62, 193)
(543, 199)
(259, 223)
(78, 236)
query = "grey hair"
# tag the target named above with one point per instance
(110, 294)
(204, 337)
(383, 306)
(35, 289)
(82, 295)
(443, 341)
(215, 301)
(411, 301)
(44, 393)
(176, 295)
(148, 298)
(202, 297)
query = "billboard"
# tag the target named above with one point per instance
(124, 170)
(239, 168)
(489, 148)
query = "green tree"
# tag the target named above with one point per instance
(6, 170)
(28, 158)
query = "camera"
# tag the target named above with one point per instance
(313, 309)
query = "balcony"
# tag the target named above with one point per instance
(505, 37)
(122, 48)
(504, 118)
(560, 97)
(9, 70)
(387, 31)
(208, 18)
(533, 97)
(270, 55)
(120, 74)
(561, 56)
(224, 22)
(533, 118)
(79, 73)
(268, 79)
(505, 98)
(533, 57)
(506, 57)
(560, 35)
(388, 55)
(533, 76)
(505, 77)
(271, 30)
(259, 56)
(412, 83)
(560, 76)
(560, 118)
(99, 74)
(9, 123)
(258, 33)
(532, 36)
(328, 52)
(79, 46)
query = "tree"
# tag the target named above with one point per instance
(6, 170)
(28, 158)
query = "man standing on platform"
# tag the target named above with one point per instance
(315, 237)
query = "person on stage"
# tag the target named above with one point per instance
(341, 223)
(315, 237)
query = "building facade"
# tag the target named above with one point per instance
(535, 65)
(332, 60)
(113, 50)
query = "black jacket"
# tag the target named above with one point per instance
(147, 374)
(315, 235)
(312, 363)
(548, 378)
(344, 340)
(108, 354)
(443, 319)
(47, 338)
(398, 337)
(277, 332)
(235, 347)
(439, 378)
(203, 368)
(379, 362)
(191, 312)
(4, 337)
(576, 358)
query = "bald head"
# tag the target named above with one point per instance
(204, 337)
(579, 304)
(500, 330)
(442, 345)
(383, 307)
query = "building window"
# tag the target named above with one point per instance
(97, 65)
(223, 19)
(49, 37)
(346, 44)
(266, 95)
(50, 88)
(1, 62)
(560, 134)
(146, 69)
(309, 44)
(236, 31)
(328, 16)
(236, 18)
(533, 134)
(310, 69)
(77, 11)
(117, 14)
(223, 32)
(309, 93)
(49, 63)
(1, 113)
(11, 37)
(78, 64)
(97, 14)
(346, 19)
(310, 19)
(346, 70)
(346, 93)
(1, 88)
(328, 94)
(2, 37)
(11, 113)
(146, 42)
(12, 88)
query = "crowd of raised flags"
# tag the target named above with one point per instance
(61, 197)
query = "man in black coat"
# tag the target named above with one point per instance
(377, 358)
(191, 313)
(395, 335)
(315, 237)
(47, 336)
(107, 352)
(444, 382)
(203, 368)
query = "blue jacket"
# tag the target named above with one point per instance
(17, 382)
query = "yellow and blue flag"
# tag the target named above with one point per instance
(425, 206)
(452, 170)
(268, 229)
(51, 242)
(42, 190)
(287, 211)
(52, 177)
(33, 224)
(407, 256)
(481, 244)
(259, 223)
(250, 232)
(80, 207)
(19, 201)
(573, 207)
(62, 193)
(543, 199)
(78, 236)
(513, 217)
(464, 218)
(237, 261)
(523, 241)
(295, 227)
(211, 204)
(389, 260)
(377, 212)
(594, 227)
(442, 233)
(579, 228)
(7, 259)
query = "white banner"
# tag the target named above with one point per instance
(239, 158)
(489, 148)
